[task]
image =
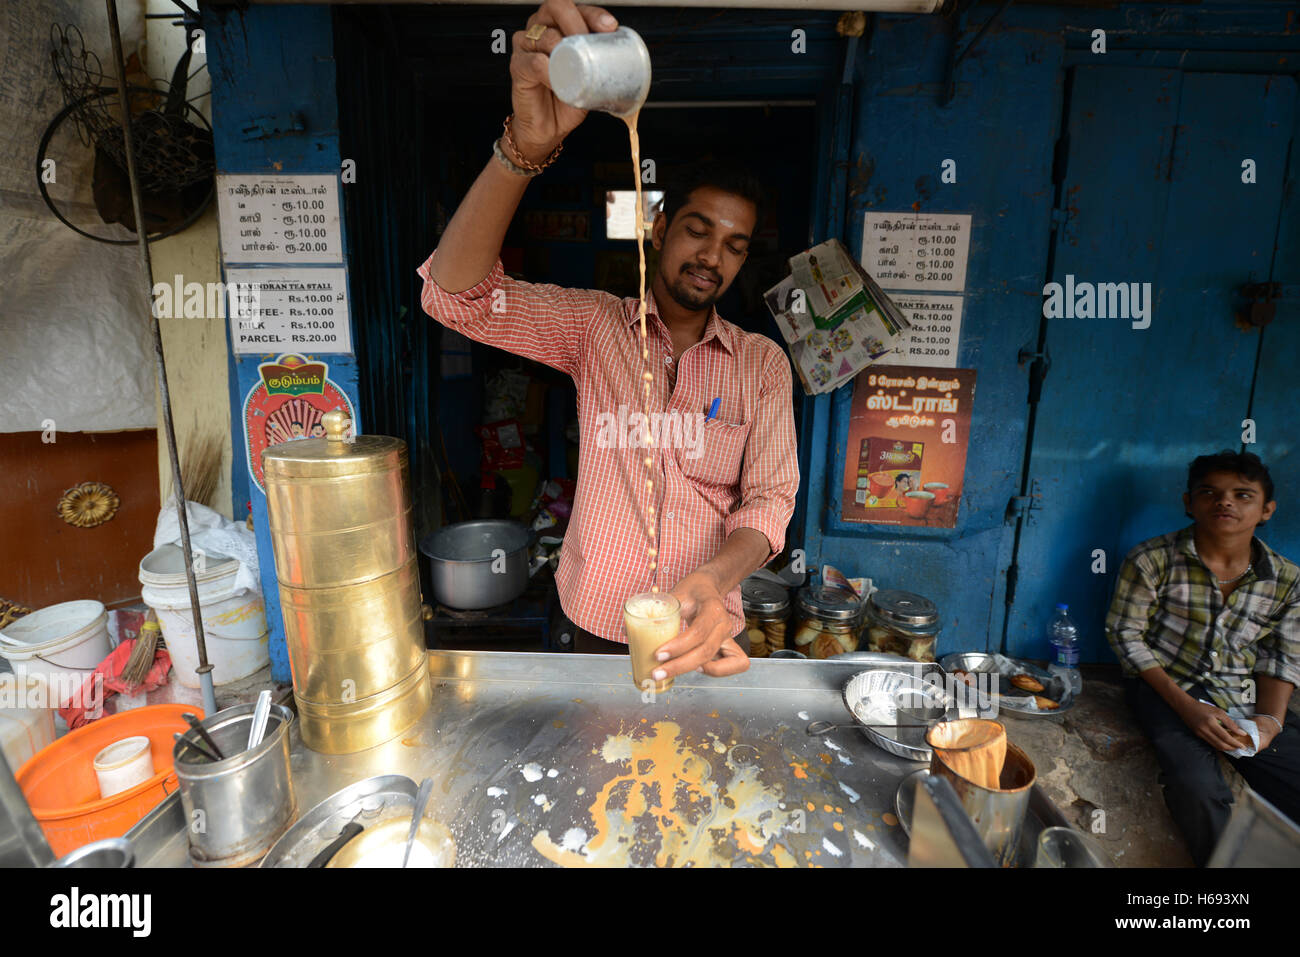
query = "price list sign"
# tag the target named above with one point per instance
(279, 218)
(917, 251)
(935, 332)
(291, 310)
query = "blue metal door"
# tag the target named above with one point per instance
(1277, 392)
(1153, 192)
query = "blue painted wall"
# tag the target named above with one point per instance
(1000, 129)
(1169, 208)
(273, 67)
(1106, 468)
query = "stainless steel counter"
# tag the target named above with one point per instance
(554, 758)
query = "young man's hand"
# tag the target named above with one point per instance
(541, 120)
(1267, 732)
(1213, 726)
(706, 642)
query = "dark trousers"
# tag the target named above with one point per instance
(585, 643)
(1198, 798)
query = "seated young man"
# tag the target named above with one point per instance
(1208, 620)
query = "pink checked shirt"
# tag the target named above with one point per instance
(738, 469)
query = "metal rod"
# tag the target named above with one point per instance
(204, 669)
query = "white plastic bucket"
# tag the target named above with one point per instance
(234, 622)
(26, 717)
(67, 639)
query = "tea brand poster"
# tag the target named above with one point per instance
(906, 458)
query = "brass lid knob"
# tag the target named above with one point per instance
(336, 425)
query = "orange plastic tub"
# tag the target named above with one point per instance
(61, 788)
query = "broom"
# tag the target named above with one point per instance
(145, 650)
(200, 467)
(199, 473)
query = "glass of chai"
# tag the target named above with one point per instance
(651, 619)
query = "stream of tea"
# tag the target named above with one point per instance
(652, 551)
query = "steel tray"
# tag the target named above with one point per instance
(1009, 695)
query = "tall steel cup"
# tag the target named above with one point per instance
(602, 71)
(236, 808)
(998, 816)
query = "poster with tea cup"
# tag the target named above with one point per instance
(909, 427)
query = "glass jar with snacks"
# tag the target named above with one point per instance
(767, 606)
(828, 622)
(902, 623)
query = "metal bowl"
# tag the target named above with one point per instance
(871, 697)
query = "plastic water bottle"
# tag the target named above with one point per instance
(1064, 636)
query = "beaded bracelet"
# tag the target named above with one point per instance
(508, 163)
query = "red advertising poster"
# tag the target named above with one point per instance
(906, 458)
(287, 404)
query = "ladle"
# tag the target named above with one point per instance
(421, 801)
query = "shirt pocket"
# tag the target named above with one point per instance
(720, 453)
(1252, 621)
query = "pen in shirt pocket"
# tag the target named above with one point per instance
(713, 409)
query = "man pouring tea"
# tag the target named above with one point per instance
(698, 494)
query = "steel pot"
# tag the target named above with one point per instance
(478, 564)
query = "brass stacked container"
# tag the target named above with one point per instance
(345, 559)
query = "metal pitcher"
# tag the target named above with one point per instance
(998, 816)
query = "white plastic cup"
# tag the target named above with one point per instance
(123, 764)
(609, 72)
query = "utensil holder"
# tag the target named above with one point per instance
(236, 808)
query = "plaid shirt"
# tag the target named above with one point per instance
(738, 469)
(1167, 611)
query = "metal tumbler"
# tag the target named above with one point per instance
(998, 816)
(609, 72)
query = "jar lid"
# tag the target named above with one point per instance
(905, 609)
(762, 596)
(832, 604)
(332, 456)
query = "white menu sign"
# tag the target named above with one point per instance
(292, 310)
(275, 218)
(922, 251)
(935, 332)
